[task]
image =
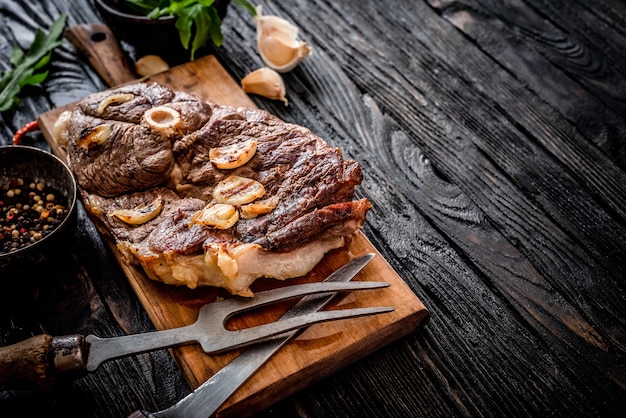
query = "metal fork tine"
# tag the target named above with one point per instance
(227, 308)
(248, 336)
(210, 330)
(212, 318)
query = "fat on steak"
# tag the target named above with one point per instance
(200, 194)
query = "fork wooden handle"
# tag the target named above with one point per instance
(38, 362)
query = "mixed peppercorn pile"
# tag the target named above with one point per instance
(28, 212)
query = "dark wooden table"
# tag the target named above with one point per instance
(492, 137)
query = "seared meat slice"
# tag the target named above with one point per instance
(299, 171)
(174, 250)
(121, 140)
(337, 220)
(175, 233)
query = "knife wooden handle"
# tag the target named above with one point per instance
(99, 45)
(38, 362)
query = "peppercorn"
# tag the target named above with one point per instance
(25, 217)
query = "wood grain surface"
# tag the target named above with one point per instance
(492, 141)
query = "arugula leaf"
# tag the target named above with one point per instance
(197, 21)
(28, 67)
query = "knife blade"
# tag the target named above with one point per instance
(208, 397)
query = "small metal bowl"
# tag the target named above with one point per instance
(37, 165)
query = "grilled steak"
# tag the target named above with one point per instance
(208, 194)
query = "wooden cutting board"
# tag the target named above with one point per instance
(320, 350)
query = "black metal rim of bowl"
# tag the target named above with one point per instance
(26, 156)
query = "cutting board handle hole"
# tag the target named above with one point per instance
(98, 37)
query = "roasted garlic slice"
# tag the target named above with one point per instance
(217, 215)
(233, 156)
(139, 214)
(94, 137)
(115, 99)
(237, 190)
(254, 209)
(278, 44)
(265, 82)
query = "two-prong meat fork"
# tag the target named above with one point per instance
(53, 356)
(209, 329)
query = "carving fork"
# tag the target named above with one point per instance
(35, 362)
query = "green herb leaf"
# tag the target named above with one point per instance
(183, 24)
(245, 4)
(34, 79)
(27, 66)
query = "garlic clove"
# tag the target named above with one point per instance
(265, 82)
(94, 137)
(233, 156)
(216, 215)
(237, 190)
(254, 209)
(140, 214)
(278, 44)
(114, 100)
(149, 65)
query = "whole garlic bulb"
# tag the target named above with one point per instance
(278, 44)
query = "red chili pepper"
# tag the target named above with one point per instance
(29, 127)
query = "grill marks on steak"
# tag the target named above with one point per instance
(310, 176)
(340, 219)
(298, 170)
(308, 183)
(174, 234)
